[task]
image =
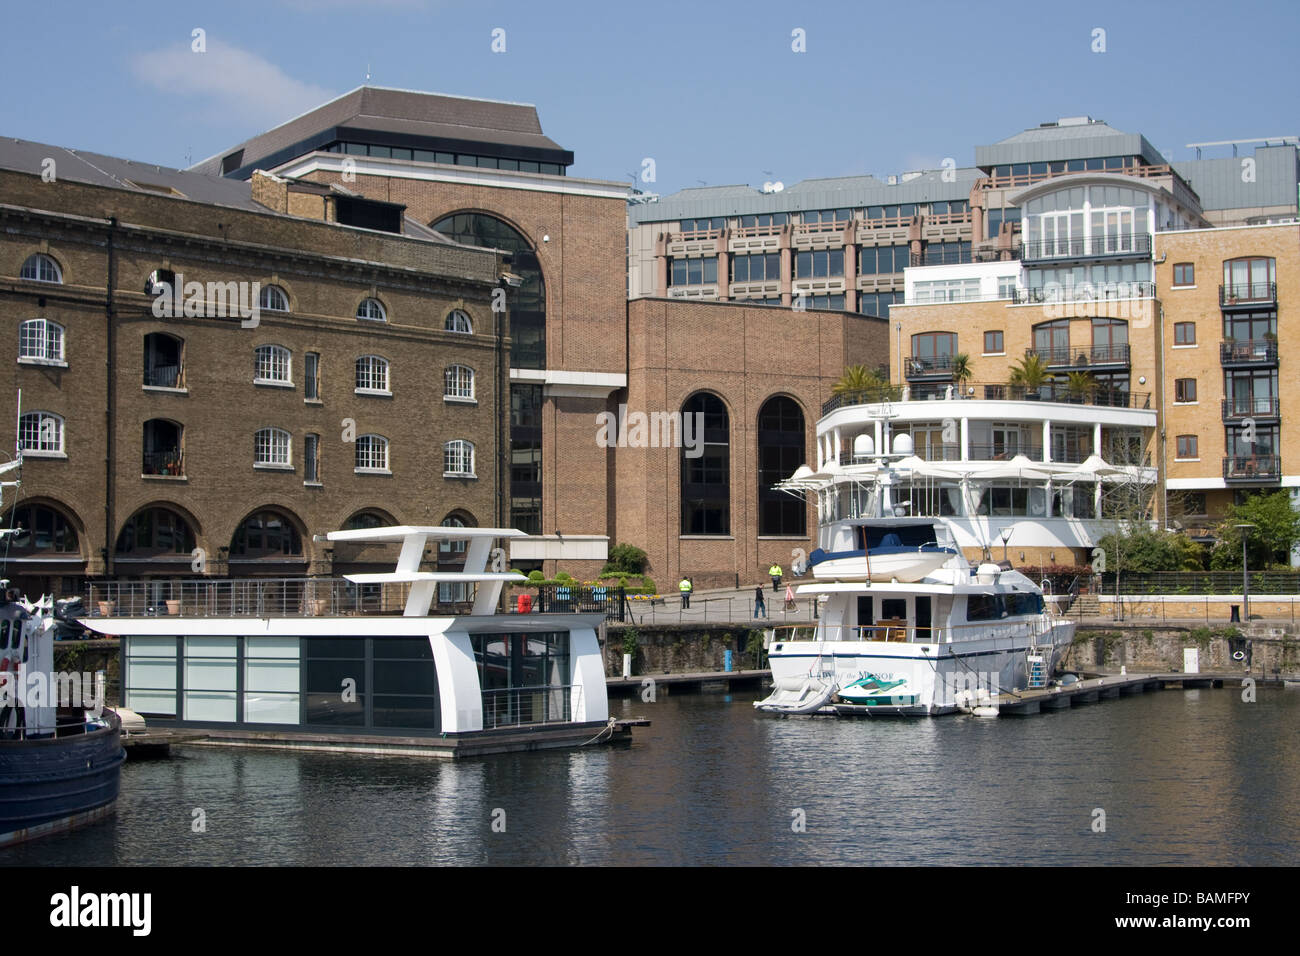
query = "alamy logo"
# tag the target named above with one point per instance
(212, 300)
(19, 688)
(655, 430)
(74, 909)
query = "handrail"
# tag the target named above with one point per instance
(910, 633)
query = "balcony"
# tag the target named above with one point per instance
(1085, 292)
(929, 369)
(992, 392)
(1248, 354)
(1083, 357)
(1239, 409)
(1248, 295)
(1133, 245)
(1004, 452)
(163, 463)
(1252, 468)
(952, 257)
(162, 376)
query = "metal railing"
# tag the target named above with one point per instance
(244, 597)
(903, 632)
(163, 376)
(1083, 356)
(1252, 468)
(1084, 292)
(955, 257)
(1247, 293)
(983, 452)
(1054, 391)
(1126, 244)
(1024, 179)
(1250, 352)
(569, 599)
(1201, 582)
(1234, 408)
(934, 365)
(162, 463)
(516, 706)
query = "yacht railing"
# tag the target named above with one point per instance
(516, 706)
(901, 632)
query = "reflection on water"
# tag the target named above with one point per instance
(1195, 777)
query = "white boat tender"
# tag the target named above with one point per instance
(798, 696)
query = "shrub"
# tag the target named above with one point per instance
(624, 558)
(536, 577)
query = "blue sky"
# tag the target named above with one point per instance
(712, 91)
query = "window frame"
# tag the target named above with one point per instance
(1193, 446)
(1184, 325)
(57, 449)
(266, 293)
(1001, 342)
(45, 325)
(311, 377)
(369, 368)
(368, 305)
(1181, 391)
(455, 318)
(452, 392)
(458, 451)
(277, 358)
(41, 259)
(376, 449)
(1185, 284)
(273, 449)
(311, 459)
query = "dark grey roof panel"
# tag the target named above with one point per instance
(852, 192)
(412, 112)
(1044, 144)
(1220, 185)
(100, 170)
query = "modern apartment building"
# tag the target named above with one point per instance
(212, 372)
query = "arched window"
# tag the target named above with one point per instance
(41, 268)
(458, 459)
(40, 340)
(933, 352)
(152, 532)
(706, 472)
(163, 444)
(272, 448)
(41, 433)
(780, 452)
(265, 534)
(528, 301)
(372, 454)
(459, 321)
(372, 310)
(372, 375)
(370, 518)
(272, 366)
(42, 530)
(451, 557)
(273, 299)
(162, 360)
(458, 382)
(452, 547)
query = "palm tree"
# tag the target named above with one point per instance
(858, 379)
(961, 368)
(1080, 384)
(1031, 372)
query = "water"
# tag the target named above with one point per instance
(1184, 777)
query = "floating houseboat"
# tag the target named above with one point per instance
(332, 665)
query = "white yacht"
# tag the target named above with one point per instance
(910, 627)
(308, 663)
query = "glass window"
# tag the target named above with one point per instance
(311, 458)
(41, 433)
(372, 375)
(1187, 446)
(1184, 333)
(273, 299)
(458, 382)
(458, 458)
(373, 310)
(993, 342)
(40, 340)
(41, 268)
(459, 321)
(706, 480)
(781, 435)
(311, 376)
(1184, 273)
(271, 447)
(272, 365)
(372, 453)
(1185, 390)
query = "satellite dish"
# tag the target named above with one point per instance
(903, 444)
(770, 187)
(863, 446)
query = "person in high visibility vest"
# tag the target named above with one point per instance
(685, 587)
(775, 571)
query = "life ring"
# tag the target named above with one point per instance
(1238, 655)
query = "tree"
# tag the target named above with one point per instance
(625, 559)
(1276, 532)
(1080, 384)
(1030, 372)
(1142, 549)
(961, 368)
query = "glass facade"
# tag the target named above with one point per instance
(525, 678)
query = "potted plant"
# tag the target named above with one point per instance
(106, 608)
(173, 607)
(1031, 374)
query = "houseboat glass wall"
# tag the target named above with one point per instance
(524, 677)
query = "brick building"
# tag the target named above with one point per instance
(369, 387)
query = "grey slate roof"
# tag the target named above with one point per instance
(97, 169)
(400, 111)
(1085, 140)
(840, 192)
(1220, 185)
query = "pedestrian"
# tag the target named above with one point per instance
(759, 603)
(685, 587)
(775, 571)
(789, 598)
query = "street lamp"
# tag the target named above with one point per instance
(1245, 576)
